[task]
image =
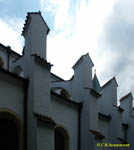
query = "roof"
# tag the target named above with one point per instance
(107, 83)
(97, 134)
(126, 96)
(96, 84)
(59, 78)
(93, 92)
(66, 99)
(120, 109)
(125, 125)
(27, 21)
(12, 74)
(81, 59)
(9, 50)
(45, 119)
(42, 61)
(122, 140)
(105, 117)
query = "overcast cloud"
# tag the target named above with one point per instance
(103, 28)
(118, 39)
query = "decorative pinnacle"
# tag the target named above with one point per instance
(94, 71)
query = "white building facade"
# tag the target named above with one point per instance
(39, 110)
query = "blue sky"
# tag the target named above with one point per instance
(103, 28)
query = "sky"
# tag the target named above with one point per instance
(104, 29)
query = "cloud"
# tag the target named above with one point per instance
(10, 30)
(117, 38)
(102, 28)
(60, 12)
(75, 32)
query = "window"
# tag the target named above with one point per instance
(1, 62)
(61, 139)
(8, 135)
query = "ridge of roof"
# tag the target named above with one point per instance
(9, 50)
(80, 60)
(28, 18)
(45, 119)
(93, 92)
(57, 77)
(120, 109)
(126, 96)
(125, 124)
(66, 99)
(110, 82)
(97, 134)
(107, 117)
(41, 60)
(12, 74)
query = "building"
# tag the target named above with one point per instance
(39, 110)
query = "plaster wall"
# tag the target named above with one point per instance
(125, 106)
(130, 130)
(12, 57)
(41, 89)
(82, 79)
(103, 126)
(108, 98)
(45, 137)
(93, 112)
(12, 94)
(35, 38)
(115, 126)
(65, 85)
(66, 116)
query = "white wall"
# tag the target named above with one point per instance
(66, 115)
(12, 94)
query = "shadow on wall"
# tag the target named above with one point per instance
(18, 71)
(1, 62)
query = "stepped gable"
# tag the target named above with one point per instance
(126, 96)
(27, 21)
(107, 83)
(80, 60)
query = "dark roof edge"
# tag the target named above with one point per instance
(107, 117)
(26, 21)
(126, 96)
(12, 74)
(120, 109)
(67, 100)
(57, 77)
(42, 61)
(9, 50)
(93, 92)
(109, 82)
(125, 124)
(80, 59)
(45, 119)
(97, 134)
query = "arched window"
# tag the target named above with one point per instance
(11, 130)
(61, 139)
(8, 135)
(1, 62)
